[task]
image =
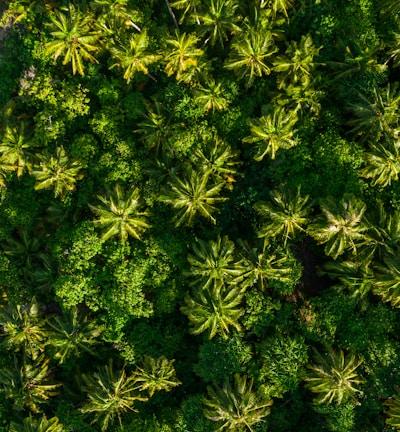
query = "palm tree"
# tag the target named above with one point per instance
(219, 20)
(238, 407)
(119, 214)
(114, 18)
(356, 277)
(28, 385)
(73, 334)
(155, 127)
(22, 9)
(211, 96)
(214, 310)
(286, 213)
(111, 393)
(57, 172)
(133, 56)
(298, 63)
(333, 376)
(377, 116)
(15, 147)
(278, 6)
(260, 266)
(74, 38)
(387, 279)
(156, 374)
(393, 412)
(182, 57)
(382, 163)
(360, 58)
(341, 225)
(249, 54)
(25, 248)
(272, 132)
(23, 328)
(302, 97)
(189, 7)
(213, 263)
(218, 156)
(37, 425)
(191, 195)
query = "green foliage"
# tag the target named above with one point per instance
(259, 314)
(282, 360)
(219, 358)
(290, 110)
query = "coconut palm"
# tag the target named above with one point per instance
(41, 424)
(341, 226)
(23, 9)
(218, 156)
(192, 194)
(183, 57)
(303, 97)
(236, 406)
(359, 58)
(355, 276)
(393, 411)
(213, 263)
(110, 393)
(375, 116)
(333, 376)
(298, 62)
(214, 310)
(156, 374)
(271, 132)
(261, 265)
(28, 385)
(211, 96)
(132, 56)
(72, 334)
(155, 128)
(387, 279)
(285, 214)
(74, 38)
(23, 329)
(382, 163)
(189, 7)
(25, 248)
(57, 172)
(249, 54)
(114, 18)
(219, 20)
(278, 6)
(16, 148)
(120, 214)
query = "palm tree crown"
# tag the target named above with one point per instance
(191, 195)
(286, 213)
(249, 54)
(111, 393)
(341, 225)
(74, 38)
(119, 214)
(272, 132)
(333, 376)
(57, 172)
(238, 407)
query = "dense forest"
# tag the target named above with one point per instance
(199, 215)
